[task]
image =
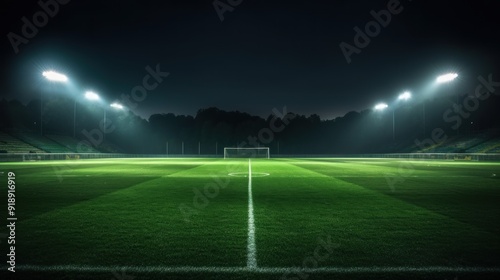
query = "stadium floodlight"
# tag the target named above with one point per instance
(90, 95)
(54, 76)
(404, 96)
(257, 152)
(446, 78)
(51, 76)
(381, 106)
(116, 106)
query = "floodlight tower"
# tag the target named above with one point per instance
(445, 78)
(90, 95)
(54, 77)
(382, 107)
(405, 96)
(116, 106)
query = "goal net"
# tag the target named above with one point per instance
(261, 152)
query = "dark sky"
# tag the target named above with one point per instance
(264, 54)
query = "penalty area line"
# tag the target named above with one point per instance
(261, 270)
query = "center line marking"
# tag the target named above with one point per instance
(251, 248)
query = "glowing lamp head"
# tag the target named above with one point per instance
(54, 76)
(381, 106)
(116, 106)
(405, 95)
(91, 95)
(447, 78)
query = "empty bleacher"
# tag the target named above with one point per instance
(70, 143)
(478, 143)
(485, 146)
(33, 142)
(42, 142)
(10, 144)
(494, 150)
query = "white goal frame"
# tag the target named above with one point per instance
(258, 149)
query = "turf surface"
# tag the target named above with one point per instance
(188, 218)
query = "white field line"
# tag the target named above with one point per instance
(261, 270)
(251, 248)
(252, 261)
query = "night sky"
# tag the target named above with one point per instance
(264, 54)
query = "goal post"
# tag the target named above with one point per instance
(258, 152)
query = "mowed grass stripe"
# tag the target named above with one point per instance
(53, 190)
(142, 224)
(404, 167)
(367, 227)
(438, 187)
(369, 168)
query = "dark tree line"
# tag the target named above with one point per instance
(211, 129)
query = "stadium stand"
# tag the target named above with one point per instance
(494, 150)
(70, 143)
(485, 146)
(10, 144)
(42, 142)
(458, 144)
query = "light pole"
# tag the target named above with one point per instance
(402, 97)
(382, 107)
(423, 110)
(88, 95)
(116, 106)
(445, 78)
(74, 120)
(54, 77)
(92, 96)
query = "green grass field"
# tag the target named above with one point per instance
(306, 219)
